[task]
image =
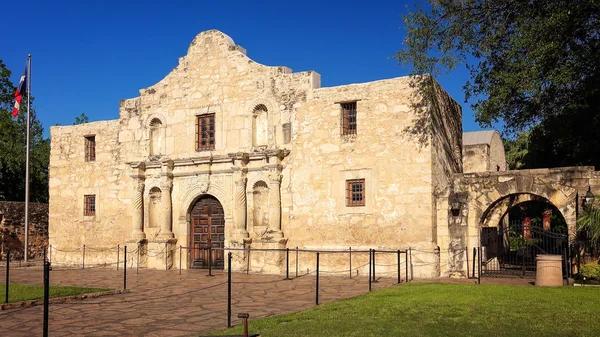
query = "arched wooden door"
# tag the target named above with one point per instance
(207, 229)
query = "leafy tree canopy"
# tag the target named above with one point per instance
(81, 119)
(533, 64)
(13, 145)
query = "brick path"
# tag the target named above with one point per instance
(164, 303)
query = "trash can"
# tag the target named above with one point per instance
(549, 270)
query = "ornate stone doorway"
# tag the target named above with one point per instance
(207, 229)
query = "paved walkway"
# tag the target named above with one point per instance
(164, 303)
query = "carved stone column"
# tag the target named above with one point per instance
(165, 203)
(241, 207)
(275, 201)
(137, 212)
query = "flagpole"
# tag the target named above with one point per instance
(27, 161)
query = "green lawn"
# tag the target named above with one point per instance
(445, 310)
(20, 292)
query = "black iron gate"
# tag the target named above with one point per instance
(511, 250)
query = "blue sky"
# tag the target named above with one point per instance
(89, 55)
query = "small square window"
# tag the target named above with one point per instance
(89, 206)
(349, 118)
(205, 132)
(355, 192)
(90, 148)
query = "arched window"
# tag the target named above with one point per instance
(260, 126)
(156, 137)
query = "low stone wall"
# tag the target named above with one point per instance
(12, 227)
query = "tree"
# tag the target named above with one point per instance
(517, 151)
(81, 119)
(533, 65)
(12, 148)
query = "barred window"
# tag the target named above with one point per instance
(90, 148)
(349, 118)
(355, 192)
(89, 205)
(205, 132)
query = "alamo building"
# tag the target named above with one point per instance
(229, 153)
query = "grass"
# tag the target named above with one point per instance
(21, 292)
(445, 310)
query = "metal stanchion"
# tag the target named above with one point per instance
(7, 273)
(317, 285)
(350, 271)
(137, 267)
(210, 260)
(374, 279)
(406, 266)
(370, 269)
(398, 266)
(118, 255)
(50, 253)
(180, 259)
(287, 264)
(479, 266)
(411, 265)
(83, 258)
(229, 290)
(166, 256)
(296, 261)
(125, 268)
(474, 259)
(46, 294)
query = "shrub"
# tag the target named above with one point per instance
(590, 271)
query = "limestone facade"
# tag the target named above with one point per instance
(279, 157)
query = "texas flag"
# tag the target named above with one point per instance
(19, 93)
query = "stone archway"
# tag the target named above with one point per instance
(207, 233)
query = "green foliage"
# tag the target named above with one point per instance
(516, 151)
(590, 271)
(22, 292)
(444, 310)
(81, 119)
(12, 148)
(588, 226)
(533, 65)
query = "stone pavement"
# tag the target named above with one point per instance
(164, 303)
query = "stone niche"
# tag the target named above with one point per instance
(260, 126)
(154, 207)
(260, 212)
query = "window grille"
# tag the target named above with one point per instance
(355, 192)
(205, 132)
(349, 118)
(89, 208)
(90, 148)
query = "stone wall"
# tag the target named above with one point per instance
(12, 226)
(276, 133)
(476, 158)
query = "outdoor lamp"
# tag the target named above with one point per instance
(588, 199)
(455, 204)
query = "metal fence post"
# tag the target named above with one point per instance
(479, 266)
(317, 292)
(370, 270)
(166, 256)
(118, 255)
(287, 264)
(398, 266)
(467, 254)
(296, 261)
(7, 273)
(46, 294)
(124, 267)
(411, 265)
(180, 259)
(474, 257)
(406, 265)
(210, 260)
(374, 279)
(137, 266)
(50, 253)
(83, 258)
(350, 262)
(229, 290)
